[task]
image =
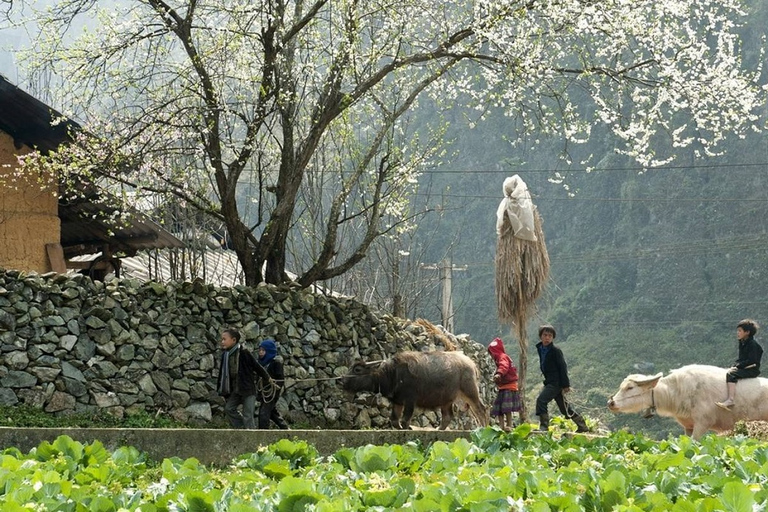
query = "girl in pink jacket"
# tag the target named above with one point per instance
(508, 397)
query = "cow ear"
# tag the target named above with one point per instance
(649, 380)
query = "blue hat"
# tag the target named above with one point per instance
(271, 349)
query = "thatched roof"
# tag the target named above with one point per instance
(84, 228)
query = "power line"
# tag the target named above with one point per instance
(641, 254)
(646, 254)
(610, 169)
(687, 304)
(607, 199)
(671, 323)
(744, 243)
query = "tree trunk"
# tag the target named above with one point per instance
(521, 373)
(522, 370)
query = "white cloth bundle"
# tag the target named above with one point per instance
(518, 207)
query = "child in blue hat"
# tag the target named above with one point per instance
(269, 394)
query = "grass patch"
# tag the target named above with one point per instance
(25, 416)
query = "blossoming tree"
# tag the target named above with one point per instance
(290, 120)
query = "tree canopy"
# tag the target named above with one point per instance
(291, 121)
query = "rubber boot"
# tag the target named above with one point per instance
(543, 422)
(581, 425)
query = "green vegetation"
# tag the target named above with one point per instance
(26, 416)
(495, 471)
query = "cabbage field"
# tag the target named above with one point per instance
(495, 471)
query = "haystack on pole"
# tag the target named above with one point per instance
(522, 266)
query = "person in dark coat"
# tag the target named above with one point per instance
(747, 366)
(556, 381)
(238, 376)
(269, 393)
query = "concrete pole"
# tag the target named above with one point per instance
(446, 276)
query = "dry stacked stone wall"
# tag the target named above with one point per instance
(71, 345)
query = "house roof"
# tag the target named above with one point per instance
(85, 224)
(28, 120)
(85, 229)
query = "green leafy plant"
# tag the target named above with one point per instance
(495, 470)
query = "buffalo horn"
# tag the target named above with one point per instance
(647, 379)
(372, 363)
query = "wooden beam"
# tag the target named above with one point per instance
(56, 257)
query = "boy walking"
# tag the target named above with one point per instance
(236, 380)
(747, 366)
(556, 382)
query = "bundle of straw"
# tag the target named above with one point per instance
(522, 269)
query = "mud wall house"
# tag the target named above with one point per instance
(38, 231)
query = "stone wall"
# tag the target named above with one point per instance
(71, 345)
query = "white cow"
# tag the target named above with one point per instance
(688, 394)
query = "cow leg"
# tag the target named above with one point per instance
(397, 412)
(446, 415)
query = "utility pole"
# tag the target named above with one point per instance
(446, 275)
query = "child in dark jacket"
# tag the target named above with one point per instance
(556, 381)
(238, 374)
(268, 395)
(747, 366)
(508, 397)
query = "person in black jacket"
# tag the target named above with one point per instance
(270, 392)
(747, 366)
(556, 382)
(237, 380)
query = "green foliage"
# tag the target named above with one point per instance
(496, 470)
(26, 416)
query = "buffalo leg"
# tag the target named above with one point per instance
(407, 415)
(397, 412)
(699, 429)
(446, 415)
(471, 395)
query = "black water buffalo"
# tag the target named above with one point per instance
(420, 379)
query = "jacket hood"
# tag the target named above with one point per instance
(271, 349)
(496, 348)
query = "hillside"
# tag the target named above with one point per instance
(651, 268)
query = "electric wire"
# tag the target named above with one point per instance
(590, 170)
(607, 199)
